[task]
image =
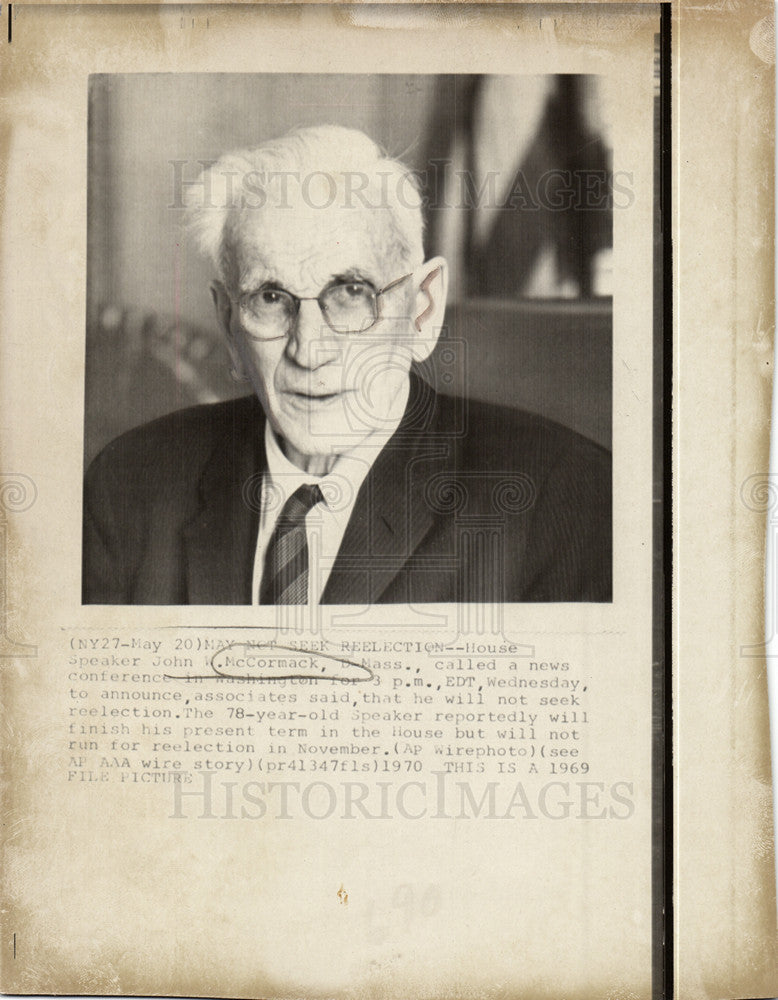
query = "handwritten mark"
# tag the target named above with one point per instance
(269, 661)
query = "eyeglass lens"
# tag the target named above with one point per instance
(348, 308)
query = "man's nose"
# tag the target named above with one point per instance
(311, 342)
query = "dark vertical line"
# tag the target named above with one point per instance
(475, 88)
(14, 945)
(667, 238)
(662, 819)
(10, 22)
(658, 742)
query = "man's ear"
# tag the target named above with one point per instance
(430, 306)
(223, 305)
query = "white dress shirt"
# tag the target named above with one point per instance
(326, 523)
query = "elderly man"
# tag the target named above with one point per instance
(342, 478)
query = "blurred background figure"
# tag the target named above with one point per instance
(518, 183)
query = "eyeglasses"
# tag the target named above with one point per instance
(348, 307)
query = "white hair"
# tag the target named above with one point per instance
(329, 165)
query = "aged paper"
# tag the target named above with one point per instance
(723, 230)
(431, 798)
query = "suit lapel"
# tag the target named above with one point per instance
(391, 516)
(220, 541)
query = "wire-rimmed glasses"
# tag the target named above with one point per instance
(349, 306)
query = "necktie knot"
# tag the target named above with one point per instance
(285, 579)
(298, 506)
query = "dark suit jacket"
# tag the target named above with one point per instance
(466, 503)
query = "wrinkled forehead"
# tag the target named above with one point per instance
(302, 246)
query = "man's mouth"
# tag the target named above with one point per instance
(303, 396)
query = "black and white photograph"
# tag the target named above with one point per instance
(334, 567)
(349, 339)
(388, 514)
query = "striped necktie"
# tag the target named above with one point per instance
(285, 579)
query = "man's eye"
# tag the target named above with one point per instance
(351, 294)
(269, 297)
